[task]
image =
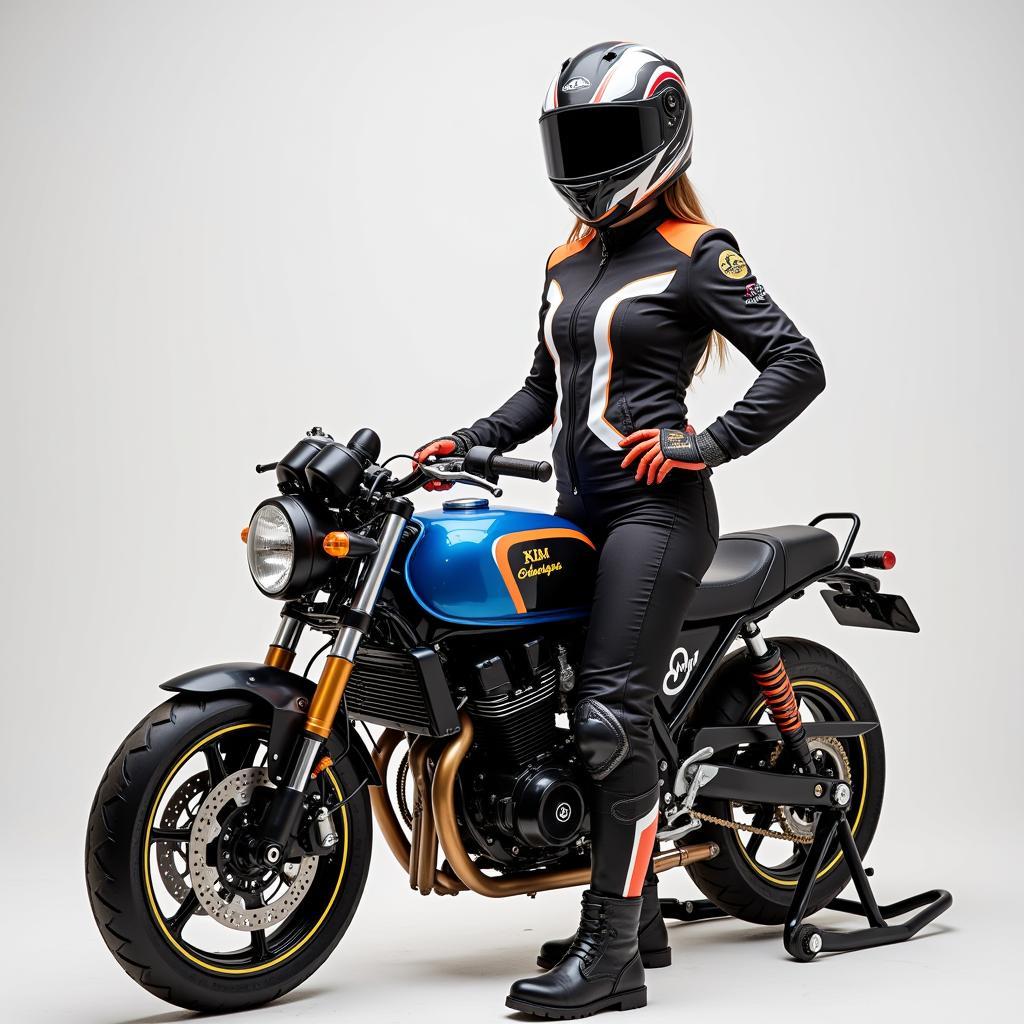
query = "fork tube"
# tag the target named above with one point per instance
(340, 661)
(285, 810)
(281, 652)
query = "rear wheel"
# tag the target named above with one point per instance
(753, 877)
(179, 899)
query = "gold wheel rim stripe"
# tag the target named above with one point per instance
(150, 897)
(863, 794)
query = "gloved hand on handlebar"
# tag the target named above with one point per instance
(457, 443)
(661, 451)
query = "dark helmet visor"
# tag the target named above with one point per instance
(583, 142)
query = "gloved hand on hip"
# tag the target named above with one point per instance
(659, 451)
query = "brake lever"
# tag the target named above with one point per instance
(437, 471)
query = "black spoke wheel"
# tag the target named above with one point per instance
(210, 929)
(753, 878)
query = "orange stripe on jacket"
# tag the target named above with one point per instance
(563, 252)
(683, 235)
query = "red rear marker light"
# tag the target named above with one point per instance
(872, 560)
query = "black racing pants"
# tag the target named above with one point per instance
(655, 544)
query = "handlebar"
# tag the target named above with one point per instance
(489, 463)
(481, 467)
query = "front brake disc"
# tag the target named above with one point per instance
(171, 857)
(284, 891)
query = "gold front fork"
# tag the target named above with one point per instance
(281, 652)
(285, 811)
(327, 699)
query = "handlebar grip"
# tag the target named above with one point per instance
(526, 469)
(490, 464)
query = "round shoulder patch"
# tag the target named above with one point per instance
(731, 264)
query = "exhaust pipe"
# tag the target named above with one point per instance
(443, 797)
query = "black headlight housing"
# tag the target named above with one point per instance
(284, 570)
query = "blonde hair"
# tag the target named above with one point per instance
(683, 203)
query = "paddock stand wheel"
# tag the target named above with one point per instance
(805, 941)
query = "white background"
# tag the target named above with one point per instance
(223, 223)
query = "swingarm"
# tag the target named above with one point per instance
(756, 786)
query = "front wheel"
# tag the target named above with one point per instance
(754, 876)
(184, 910)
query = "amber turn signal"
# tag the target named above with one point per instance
(336, 544)
(245, 534)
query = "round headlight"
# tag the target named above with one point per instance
(271, 549)
(285, 547)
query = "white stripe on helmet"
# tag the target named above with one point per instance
(641, 183)
(621, 79)
(551, 99)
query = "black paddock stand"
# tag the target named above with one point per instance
(805, 941)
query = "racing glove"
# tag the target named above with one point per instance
(457, 443)
(661, 451)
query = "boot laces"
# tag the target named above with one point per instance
(593, 932)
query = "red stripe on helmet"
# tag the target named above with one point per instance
(665, 76)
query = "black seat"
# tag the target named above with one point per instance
(753, 568)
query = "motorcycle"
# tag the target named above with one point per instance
(230, 837)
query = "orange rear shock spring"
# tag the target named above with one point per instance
(777, 689)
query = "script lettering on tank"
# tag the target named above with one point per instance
(537, 562)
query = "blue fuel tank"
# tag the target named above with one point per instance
(481, 566)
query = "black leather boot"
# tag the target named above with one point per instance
(601, 970)
(654, 948)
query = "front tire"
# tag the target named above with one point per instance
(133, 907)
(736, 881)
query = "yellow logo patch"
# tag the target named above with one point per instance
(731, 264)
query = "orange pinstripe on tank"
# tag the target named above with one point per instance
(501, 548)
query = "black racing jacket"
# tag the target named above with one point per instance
(624, 321)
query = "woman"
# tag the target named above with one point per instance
(634, 304)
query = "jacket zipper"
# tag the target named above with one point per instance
(570, 446)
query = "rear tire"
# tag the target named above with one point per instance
(733, 880)
(117, 848)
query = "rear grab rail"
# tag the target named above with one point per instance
(854, 520)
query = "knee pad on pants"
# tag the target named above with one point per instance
(600, 738)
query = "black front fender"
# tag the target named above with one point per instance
(287, 694)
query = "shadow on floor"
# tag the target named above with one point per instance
(174, 1016)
